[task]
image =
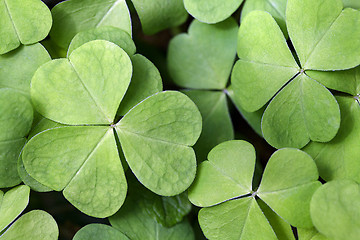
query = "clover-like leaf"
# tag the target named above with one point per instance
(310, 234)
(97, 231)
(145, 81)
(168, 14)
(135, 222)
(347, 81)
(23, 23)
(276, 8)
(281, 228)
(75, 16)
(237, 219)
(36, 224)
(211, 11)
(109, 33)
(339, 158)
(93, 81)
(287, 185)
(352, 4)
(73, 167)
(331, 40)
(203, 58)
(29, 58)
(16, 116)
(227, 174)
(217, 125)
(264, 66)
(335, 210)
(299, 112)
(12, 203)
(166, 163)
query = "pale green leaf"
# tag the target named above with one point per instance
(335, 210)
(304, 110)
(82, 161)
(97, 231)
(16, 115)
(217, 126)
(227, 174)
(75, 16)
(135, 222)
(339, 158)
(145, 81)
(235, 219)
(264, 66)
(287, 185)
(352, 4)
(87, 88)
(23, 22)
(275, 7)
(252, 118)
(281, 228)
(28, 180)
(347, 81)
(310, 234)
(156, 136)
(109, 33)
(12, 203)
(204, 57)
(9, 154)
(332, 37)
(36, 224)
(211, 11)
(168, 14)
(27, 59)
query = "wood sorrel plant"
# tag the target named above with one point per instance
(83, 112)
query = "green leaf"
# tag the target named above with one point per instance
(281, 228)
(87, 88)
(28, 58)
(339, 158)
(310, 234)
(203, 58)
(36, 224)
(352, 4)
(157, 15)
(145, 81)
(23, 23)
(81, 161)
(264, 66)
(16, 116)
(275, 7)
(236, 219)
(332, 37)
(9, 153)
(287, 185)
(75, 16)
(28, 180)
(163, 126)
(97, 231)
(54, 50)
(12, 203)
(304, 110)
(135, 222)
(211, 11)
(227, 174)
(252, 118)
(335, 210)
(108, 33)
(347, 81)
(217, 125)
